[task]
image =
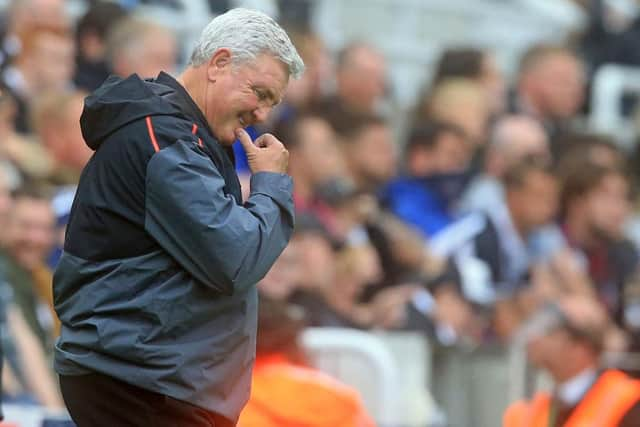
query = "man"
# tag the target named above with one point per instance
(141, 46)
(316, 159)
(595, 203)
(28, 240)
(514, 138)
(56, 123)
(156, 287)
(493, 252)
(369, 150)
(315, 156)
(27, 78)
(507, 242)
(437, 157)
(355, 94)
(565, 339)
(551, 87)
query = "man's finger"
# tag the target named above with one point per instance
(266, 140)
(245, 140)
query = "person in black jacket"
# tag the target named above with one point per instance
(156, 288)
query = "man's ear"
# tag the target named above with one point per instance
(219, 63)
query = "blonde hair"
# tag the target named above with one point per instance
(451, 93)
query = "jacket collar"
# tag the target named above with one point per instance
(189, 106)
(183, 99)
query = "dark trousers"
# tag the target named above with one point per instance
(97, 400)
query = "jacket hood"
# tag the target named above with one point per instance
(120, 101)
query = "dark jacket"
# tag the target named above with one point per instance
(156, 285)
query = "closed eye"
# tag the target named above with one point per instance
(260, 94)
(265, 95)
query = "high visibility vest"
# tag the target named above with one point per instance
(604, 405)
(287, 395)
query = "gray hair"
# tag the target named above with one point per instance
(247, 33)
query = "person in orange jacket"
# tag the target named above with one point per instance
(566, 339)
(286, 391)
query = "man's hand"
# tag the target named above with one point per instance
(267, 154)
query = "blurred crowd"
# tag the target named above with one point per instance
(492, 200)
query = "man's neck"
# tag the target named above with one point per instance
(191, 83)
(571, 390)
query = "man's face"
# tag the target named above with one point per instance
(57, 53)
(359, 92)
(317, 258)
(535, 203)
(284, 275)
(449, 154)
(560, 82)
(31, 231)
(452, 153)
(242, 95)
(373, 154)
(607, 207)
(155, 52)
(64, 139)
(318, 154)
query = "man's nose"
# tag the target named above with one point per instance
(261, 113)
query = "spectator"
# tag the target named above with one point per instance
(315, 156)
(57, 125)
(550, 87)
(22, 17)
(437, 157)
(355, 94)
(91, 38)
(510, 242)
(594, 206)
(285, 274)
(461, 102)
(28, 78)
(316, 255)
(138, 46)
(566, 340)
(19, 156)
(514, 138)
(285, 390)
(505, 243)
(369, 150)
(27, 13)
(475, 64)
(338, 304)
(29, 239)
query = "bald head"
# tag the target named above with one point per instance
(136, 45)
(514, 138)
(26, 13)
(356, 61)
(552, 82)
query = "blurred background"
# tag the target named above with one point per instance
(461, 168)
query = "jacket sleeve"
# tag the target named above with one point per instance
(222, 244)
